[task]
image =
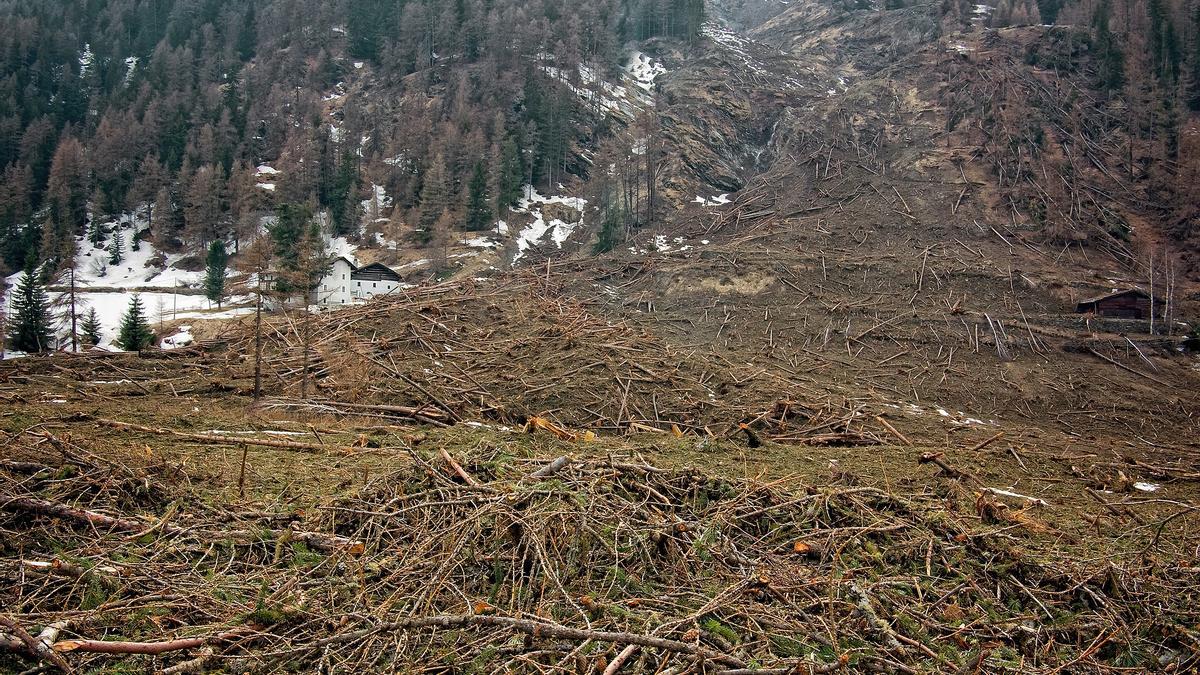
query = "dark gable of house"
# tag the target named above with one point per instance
(375, 272)
(1129, 304)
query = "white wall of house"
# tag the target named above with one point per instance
(336, 287)
(339, 287)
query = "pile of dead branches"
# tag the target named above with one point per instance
(510, 352)
(494, 562)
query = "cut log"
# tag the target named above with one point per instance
(323, 542)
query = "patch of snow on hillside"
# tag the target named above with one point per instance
(534, 233)
(592, 89)
(86, 59)
(483, 241)
(131, 65)
(385, 243)
(718, 200)
(183, 338)
(733, 43)
(340, 247)
(137, 269)
(644, 70)
(165, 289)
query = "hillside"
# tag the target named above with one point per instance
(729, 337)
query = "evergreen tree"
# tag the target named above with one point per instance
(135, 334)
(610, 231)
(116, 246)
(1193, 92)
(247, 39)
(95, 232)
(433, 197)
(15, 212)
(343, 205)
(512, 175)
(479, 210)
(292, 221)
(29, 325)
(214, 278)
(1112, 59)
(91, 328)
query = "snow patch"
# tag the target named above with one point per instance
(131, 65)
(534, 233)
(718, 200)
(86, 58)
(181, 339)
(643, 70)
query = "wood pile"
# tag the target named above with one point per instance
(493, 562)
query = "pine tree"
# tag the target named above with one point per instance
(29, 324)
(512, 175)
(610, 231)
(479, 210)
(248, 35)
(291, 222)
(214, 278)
(1193, 86)
(343, 205)
(91, 328)
(1112, 59)
(95, 232)
(433, 197)
(116, 246)
(135, 334)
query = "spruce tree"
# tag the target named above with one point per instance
(135, 334)
(479, 211)
(433, 197)
(116, 246)
(214, 279)
(343, 205)
(512, 173)
(29, 328)
(95, 233)
(91, 328)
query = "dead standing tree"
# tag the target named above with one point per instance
(257, 262)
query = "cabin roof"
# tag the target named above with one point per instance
(1134, 292)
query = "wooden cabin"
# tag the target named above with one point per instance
(1132, 303)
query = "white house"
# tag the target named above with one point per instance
(346, 284)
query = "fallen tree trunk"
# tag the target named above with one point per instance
(317, 540)
(150, 648)
(215, 439)
(38, 646)
(539, 629)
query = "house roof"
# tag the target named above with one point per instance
(375, 271)
(1118, 294)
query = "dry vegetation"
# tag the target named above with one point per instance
(715, 509)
